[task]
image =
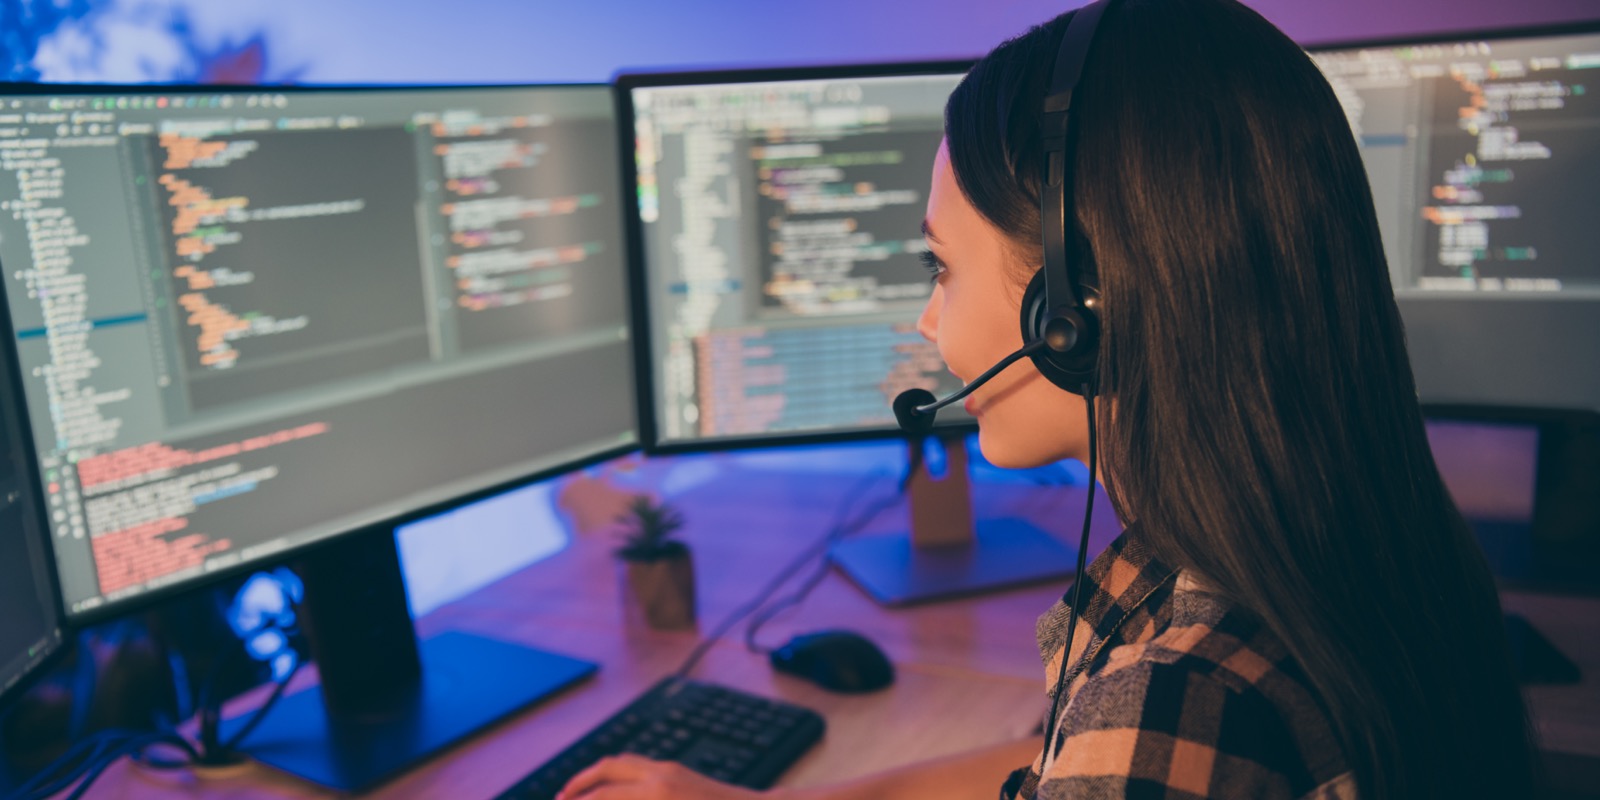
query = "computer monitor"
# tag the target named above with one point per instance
(30, 614)
(1484, 157)
(778, 218)
(256, 323)
(1483, 152)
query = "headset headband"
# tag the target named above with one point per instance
(1061, 290)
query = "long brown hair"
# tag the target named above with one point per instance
(1265, 430)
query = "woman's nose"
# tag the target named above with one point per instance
(928, 323)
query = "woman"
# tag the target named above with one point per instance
(1296, 610)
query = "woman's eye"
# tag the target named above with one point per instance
(932, 264)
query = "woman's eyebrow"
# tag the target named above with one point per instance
(927, 230)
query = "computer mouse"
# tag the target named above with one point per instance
(836, 660)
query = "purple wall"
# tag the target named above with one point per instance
(493, 41)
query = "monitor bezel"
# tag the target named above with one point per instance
(151, 598)
(41, 667)
(643, 340)
(33, 485)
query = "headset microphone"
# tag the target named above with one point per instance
(908, 410)
(914, 409)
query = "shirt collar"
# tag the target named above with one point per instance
(1118, 582)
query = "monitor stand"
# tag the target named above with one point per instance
(1534, 658)
(944, 555)
(386, 701)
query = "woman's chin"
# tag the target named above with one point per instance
(1014, 452)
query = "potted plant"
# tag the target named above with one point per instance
(658, 584)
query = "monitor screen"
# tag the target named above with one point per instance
(30, 619)
(780, 218)
(250, 320)
(1484, 159)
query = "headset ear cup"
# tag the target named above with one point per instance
(1033, 308)
(1075, 368)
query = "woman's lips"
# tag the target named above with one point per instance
(971, 402)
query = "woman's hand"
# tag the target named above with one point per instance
(631, 777)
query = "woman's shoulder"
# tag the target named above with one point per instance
(1196, 627)
(1209, 703)
(1208, 632)
(1188, 727)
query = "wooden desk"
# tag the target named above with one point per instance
(968, 672)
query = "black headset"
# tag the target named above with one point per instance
(1062, 306)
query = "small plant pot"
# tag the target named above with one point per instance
(660, 592)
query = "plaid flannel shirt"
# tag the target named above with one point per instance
(1176, 693)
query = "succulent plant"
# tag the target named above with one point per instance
(647, 530)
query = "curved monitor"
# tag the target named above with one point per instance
(1484, 158)
(251, 320)
(779, 219)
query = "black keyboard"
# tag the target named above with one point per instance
(732, 736)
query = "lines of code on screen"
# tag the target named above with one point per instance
(250, 321)
(782, 235)
(1515, 161)
(271, 237)
(1484, 159)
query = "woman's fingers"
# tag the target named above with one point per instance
(626, 768)
(631, 777)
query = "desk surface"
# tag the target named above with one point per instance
(968, 671)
